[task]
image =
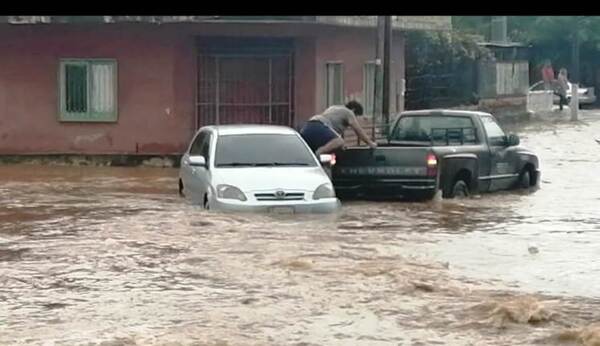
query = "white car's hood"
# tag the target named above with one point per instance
(250, 179)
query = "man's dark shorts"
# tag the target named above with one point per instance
(316, 134)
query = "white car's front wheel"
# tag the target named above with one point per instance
(205, 204)
(181, 188)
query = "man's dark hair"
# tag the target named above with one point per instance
(355, 107)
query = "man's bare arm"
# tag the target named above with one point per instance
(361, 133)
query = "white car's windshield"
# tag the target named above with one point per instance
(262, 150)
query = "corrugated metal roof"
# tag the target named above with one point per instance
(398, 22)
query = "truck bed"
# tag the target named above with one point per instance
(386, 170)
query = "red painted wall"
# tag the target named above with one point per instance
(354, 47)
(156, 81)
(153, 90)
(304, 80)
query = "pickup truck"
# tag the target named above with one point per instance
(457, 152)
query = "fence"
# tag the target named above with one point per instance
(506, 78)
(453, 85)
(373, 128)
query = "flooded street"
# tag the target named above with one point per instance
(113, 256)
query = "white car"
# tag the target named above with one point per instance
(586, 95)
(255, 168)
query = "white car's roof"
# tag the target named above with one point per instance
(224, 130)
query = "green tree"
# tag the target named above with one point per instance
(473, 25)
(561, 38)
(440, 69)
(565, 40)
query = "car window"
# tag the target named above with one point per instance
(450, 129)
(196, 148)
(494, 132)
(262, 150)
(205, 147)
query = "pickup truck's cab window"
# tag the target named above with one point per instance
(494, 132)
(450, 129)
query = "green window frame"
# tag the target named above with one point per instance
(88, 90)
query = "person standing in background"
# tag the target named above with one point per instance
(548, 75)
(562, 86)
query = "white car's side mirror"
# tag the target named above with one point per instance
(327, 158)
(198, 161)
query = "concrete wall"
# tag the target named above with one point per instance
(540, 101)
(304, 79)
(157, 76)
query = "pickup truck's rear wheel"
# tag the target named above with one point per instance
(460, 189)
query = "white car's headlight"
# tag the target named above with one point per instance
(230, 192)
(324, 191)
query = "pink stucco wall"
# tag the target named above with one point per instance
(150, 118)
(354, 48)
(156, 81)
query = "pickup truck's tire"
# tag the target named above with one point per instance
(524, 179)
(460, 189)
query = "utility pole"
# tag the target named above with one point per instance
(575, 72)
(378, 89)
(387, 46)
(382, 72)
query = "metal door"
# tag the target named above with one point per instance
(245, 88)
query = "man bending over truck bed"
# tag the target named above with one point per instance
(324, 132)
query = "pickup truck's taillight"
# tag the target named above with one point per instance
(432, 165)
(327, 159)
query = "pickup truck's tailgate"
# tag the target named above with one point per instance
(395, 167)
(383, 161)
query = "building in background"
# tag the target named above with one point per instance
(143, 85)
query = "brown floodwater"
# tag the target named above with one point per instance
(112, 256)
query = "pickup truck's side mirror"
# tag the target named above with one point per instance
(197, 161)
(513, 140)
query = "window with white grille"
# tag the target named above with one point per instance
(88, 90)
(335, 83)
